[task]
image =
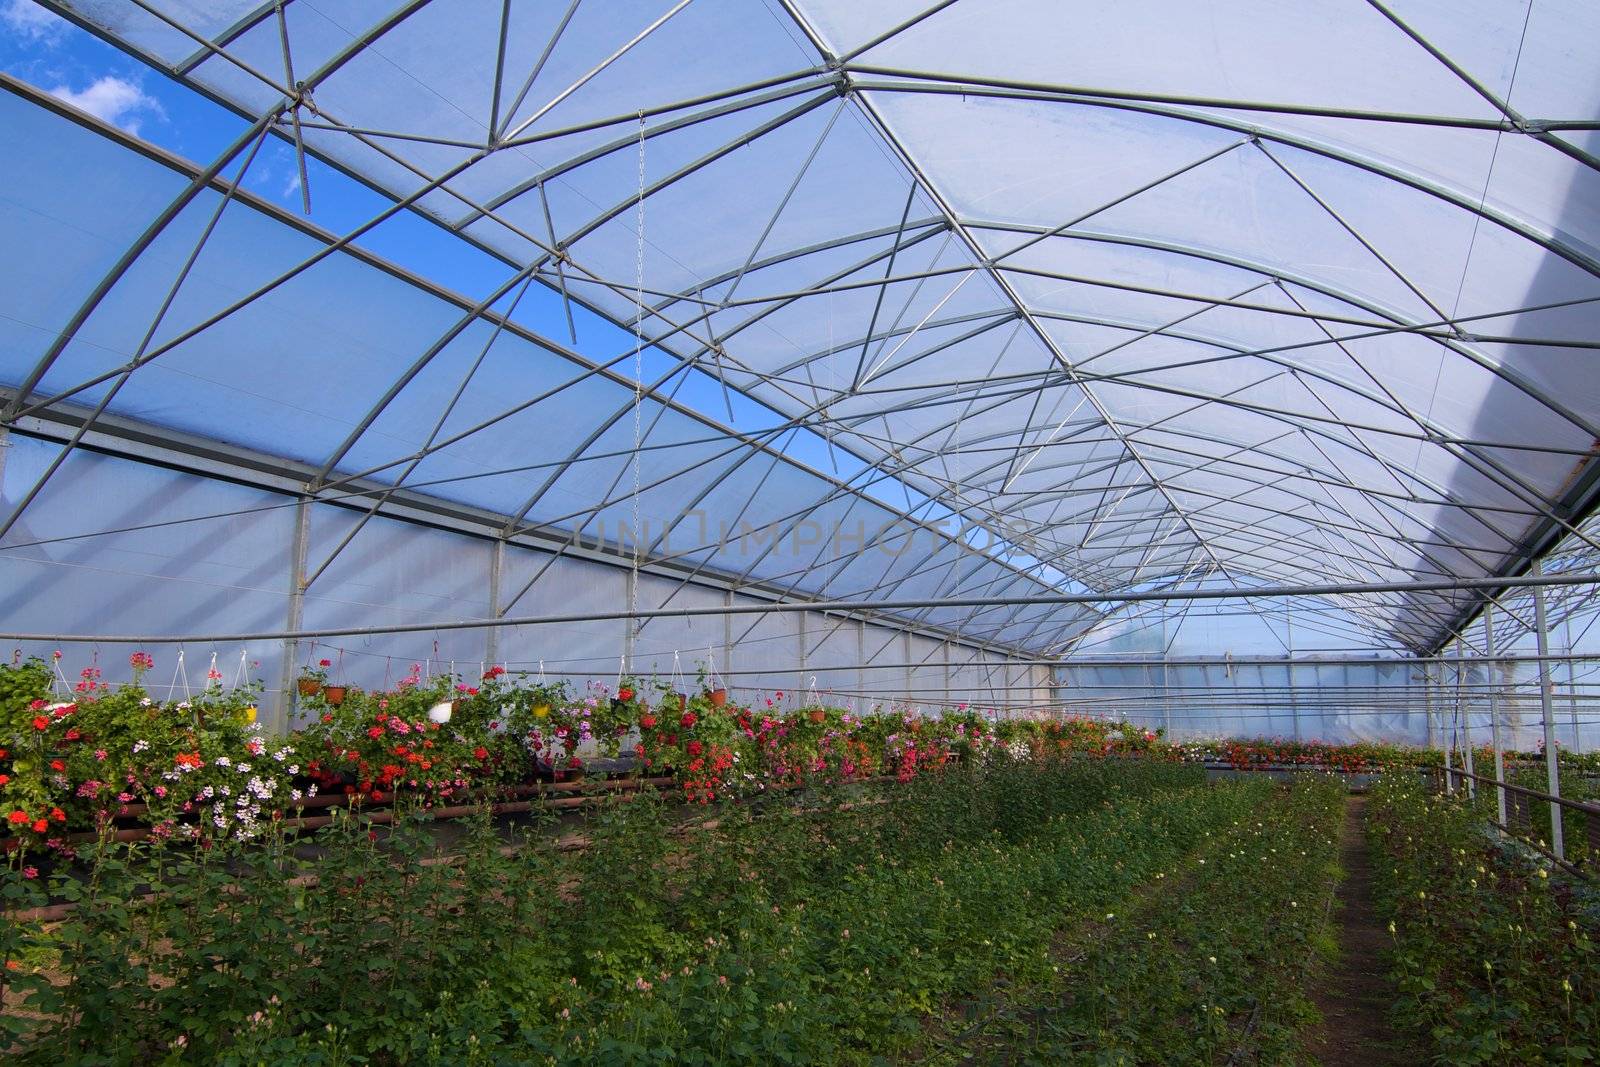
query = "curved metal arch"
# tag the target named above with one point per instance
(1521, 227)
(1302, 428)
(1432, 432)
(1327, 289)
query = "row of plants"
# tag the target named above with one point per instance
(1215, 966)
(74, 763)
(1494, 954)
(1360, 756)
(1357, 757)
(827, 927)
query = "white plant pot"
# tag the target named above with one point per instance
(441, 712)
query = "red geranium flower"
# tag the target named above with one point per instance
(19, 816)
(648, 722)
(58, 815)
(57, 765)
(375, 731)
(695, 748)
(41, 723)
(688, 720)
(325, 663)
(41, 827)
(480, 752)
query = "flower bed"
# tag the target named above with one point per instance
(199, 768)
(1360, 757)
(1494, 951)
(195, 768)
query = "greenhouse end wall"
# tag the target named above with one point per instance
(212, 556)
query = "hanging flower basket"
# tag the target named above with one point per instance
(334, 694)
(819, 716)
(309, 687)
(718, 697)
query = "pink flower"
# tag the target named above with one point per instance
(100, 754)
(30, 872)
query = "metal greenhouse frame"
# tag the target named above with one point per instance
(826, 340)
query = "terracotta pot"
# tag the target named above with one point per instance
(718, 697)
(818, 715)
(333, 694)
(309, 687)
(683, 701)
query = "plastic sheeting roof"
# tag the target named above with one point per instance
(1278, 291)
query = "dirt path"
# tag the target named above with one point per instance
(1354, 994)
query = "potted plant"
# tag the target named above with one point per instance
(313, 679)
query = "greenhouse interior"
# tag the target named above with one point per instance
(799, 532)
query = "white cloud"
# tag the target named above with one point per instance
(30, 20)
(116, 100)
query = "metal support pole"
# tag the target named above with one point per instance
(1494, 713)
(295, 615)
(1572, 687)
(1166, 693)
(1446, 736)
(800, 687)
(1551, 763)
(727, 636)
(1466, 719)
(861, 659)
(491, 640)
(1427, 705)
(947, 673)
(905, 636)
(1294, 698)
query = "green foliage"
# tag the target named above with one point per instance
(819, 928)
(1494, 950)
(1209, 964)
